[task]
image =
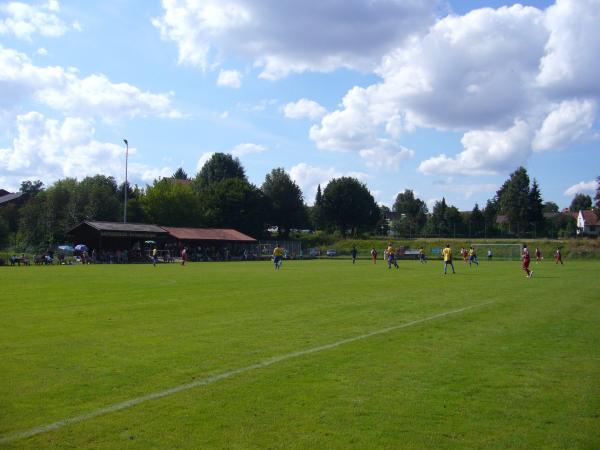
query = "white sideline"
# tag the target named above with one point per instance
(203, 382)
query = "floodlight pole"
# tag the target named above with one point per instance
(125, 185)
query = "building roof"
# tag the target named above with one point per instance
(125, 227)
(208, 234)
(589, 218)
(3, 192)
(10, 197)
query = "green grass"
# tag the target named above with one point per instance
(522, 371)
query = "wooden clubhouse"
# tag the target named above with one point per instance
(128, 242)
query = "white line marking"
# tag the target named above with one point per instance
(203, 382)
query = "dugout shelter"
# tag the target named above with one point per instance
(211, 244)
(125, 242)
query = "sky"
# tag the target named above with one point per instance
(446, 98)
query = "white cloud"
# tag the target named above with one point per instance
(230, 78)
(259, 106)
(65, 91)
(42, 51)
(309, 177)
(467, 71)
(287, 37)
(349, 129)
(247, 149)
(570, 65)
(485, 153)
(24, 20)
(385, 155)
(304, 109)
(467, 190)
(582, 186)
(486, 74)
(50, 149)
(238, 151)
(204, 157)
(570, 120)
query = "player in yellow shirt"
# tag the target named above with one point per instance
(473, 257)
(277, 256)
(447, 254)
(391, 256)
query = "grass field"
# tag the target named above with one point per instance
(321, 354)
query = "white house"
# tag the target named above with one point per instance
(587, 223)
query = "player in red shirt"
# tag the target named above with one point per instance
(183, 256)
(558, 256)
(374, 255)
(525, 258)
(538, 255)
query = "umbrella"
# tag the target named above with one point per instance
(66, 249)
(81, 248)
(149, 242)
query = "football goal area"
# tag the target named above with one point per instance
(505, 252)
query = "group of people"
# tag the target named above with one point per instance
(468, 255)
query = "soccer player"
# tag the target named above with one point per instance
(354, 252)
(447, 254)
(538, 255)
(464, 253)
(422, 256)
(525, 258)
(154, 256)
(277, 256)
(490, 254)
(374, 255)
(391, 256)
(558, 256)
(183, 256)
(473, 256)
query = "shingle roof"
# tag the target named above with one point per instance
(10, 197)
(118, 226)
(208, 234)
(590, 218)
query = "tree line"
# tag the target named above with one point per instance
(220, 196)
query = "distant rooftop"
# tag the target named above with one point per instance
(8, 197)
(208, 234)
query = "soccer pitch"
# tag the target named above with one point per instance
(320, 354)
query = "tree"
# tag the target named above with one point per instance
(383, 226)
(513, 199)
(4, 230)
(581, 202)
(286, 204)
(597, 197)
(172, 204)
(317, 216)
(349, 206)
(99, 199)
(550, 207)
(455, 221)
(219, 167)
(490, 212)
(32, 222)
(438, 224)
(413, 210)
(476, 222)
(536, 208)
(31, 187)
(235, 203)
(180, 174)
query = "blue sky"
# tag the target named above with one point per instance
(445, 98)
